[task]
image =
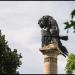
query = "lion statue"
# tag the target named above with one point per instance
(50, 33)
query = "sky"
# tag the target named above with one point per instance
(19, 23)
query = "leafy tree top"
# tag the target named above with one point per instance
(9, 59)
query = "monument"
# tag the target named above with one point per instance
(51, 45)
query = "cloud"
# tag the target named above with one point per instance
(19, 23)
(61, 64)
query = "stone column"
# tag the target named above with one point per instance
(50, 53)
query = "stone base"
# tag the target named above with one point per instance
(50, 53)
(50, 65)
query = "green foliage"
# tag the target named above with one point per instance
(67, 25)
(70, 66)
(9, 60)
(73, 13)
(71, 23)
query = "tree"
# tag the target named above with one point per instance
(9, 60)
(70, 66)
(71, 23)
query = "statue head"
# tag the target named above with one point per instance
(45, 22)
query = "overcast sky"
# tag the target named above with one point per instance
(19, 23)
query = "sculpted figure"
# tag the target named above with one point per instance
(50, 33)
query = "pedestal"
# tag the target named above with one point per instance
(50, 53)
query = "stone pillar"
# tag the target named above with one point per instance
(50, 53)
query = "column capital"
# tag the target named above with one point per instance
(50, 50)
